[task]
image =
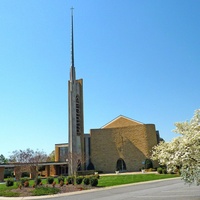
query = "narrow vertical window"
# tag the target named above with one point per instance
(78, 125)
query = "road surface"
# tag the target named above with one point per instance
(173, 189)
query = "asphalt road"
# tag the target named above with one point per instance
(173, 189)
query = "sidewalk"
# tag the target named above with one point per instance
(127, 173)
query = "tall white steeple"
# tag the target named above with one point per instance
(72, 70)
(75, 115)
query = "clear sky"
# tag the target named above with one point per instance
(138, 58)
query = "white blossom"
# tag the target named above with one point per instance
(184, 151)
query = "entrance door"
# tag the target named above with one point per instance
(121, 165)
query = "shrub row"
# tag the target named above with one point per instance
(162, 170)
(87, 180)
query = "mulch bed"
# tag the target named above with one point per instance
(27, 191)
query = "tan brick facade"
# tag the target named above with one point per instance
(122, 139)
(2, 174)
(57, 153)
(52, 170)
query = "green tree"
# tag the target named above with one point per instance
(3, 159)
(51, 156)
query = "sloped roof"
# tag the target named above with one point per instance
(121, 121)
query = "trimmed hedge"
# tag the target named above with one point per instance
(164, 171)
(61, 178)
(159, 170)
(70, 180)
(79, 180)
(93, 181)
(10, 182)
(50, 180)
(86, 180)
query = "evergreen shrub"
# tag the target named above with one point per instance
(164, 171)
(70, 179)
(50, 180)
(9, 182)
(86, 180)
(93, 181)
(79, 180)
(61, 178)
(159, 170)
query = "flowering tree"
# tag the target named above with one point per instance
(28, 158)
(184, 151)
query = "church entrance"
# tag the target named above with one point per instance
(121, 165)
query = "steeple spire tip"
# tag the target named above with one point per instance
(72, 39)
(72, 76)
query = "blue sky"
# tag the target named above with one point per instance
(138, 58)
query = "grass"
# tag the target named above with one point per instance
(121, 179)
(6, 191)
(44, 191)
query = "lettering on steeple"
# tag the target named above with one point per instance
(78, 129)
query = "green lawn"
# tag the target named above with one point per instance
(121, 179)
(5, 191)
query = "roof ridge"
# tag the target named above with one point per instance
(118, 118)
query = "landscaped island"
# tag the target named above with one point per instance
(51, 185)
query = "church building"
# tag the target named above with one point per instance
(121, 145)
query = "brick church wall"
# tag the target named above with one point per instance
(131, 143)
(2, 174)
